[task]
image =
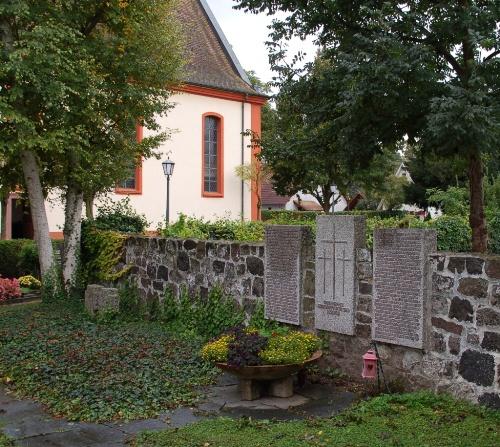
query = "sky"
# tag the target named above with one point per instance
(247, 33)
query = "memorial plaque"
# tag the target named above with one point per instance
(337, 238)
(283, 277)
(401, 285)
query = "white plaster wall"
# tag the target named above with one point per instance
(185, 145)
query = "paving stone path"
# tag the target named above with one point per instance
(31, 426)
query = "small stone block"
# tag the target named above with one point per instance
(250, 389)
(281, 387)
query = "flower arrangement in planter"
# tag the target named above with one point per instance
(9, 289)
(257, 357)
(247, 347)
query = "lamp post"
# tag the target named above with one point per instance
(168, 170)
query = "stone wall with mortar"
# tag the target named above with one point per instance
(462, 352)
(462, 355)
(159, 264)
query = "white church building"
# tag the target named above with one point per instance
(214, 105)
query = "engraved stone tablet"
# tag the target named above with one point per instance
(283, 272)
(337, 238)
(401, 285)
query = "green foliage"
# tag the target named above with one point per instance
(86, 371)
(204, 316)
(453, 202)
(52, 290)
(101, 254)
(118, 216)
(221, 229)
(5, 441)
(453, 233)
(408, 420)
(266, 327)
(18, 257)
(494, 232)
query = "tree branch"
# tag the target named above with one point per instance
(94, 20)
(491, 56)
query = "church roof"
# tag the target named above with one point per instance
(211, 61)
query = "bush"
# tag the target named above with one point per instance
(118, 216)
(453, 233)
(494, 232)
(221, 229)
(206, 317)
(284, 216)
(18, 257)
(30, 282)
(9, 289)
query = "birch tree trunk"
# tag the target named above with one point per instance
(72, 235)
(31, 172)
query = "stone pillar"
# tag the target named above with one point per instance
(337, 240)
(402, 285)
(286, 249)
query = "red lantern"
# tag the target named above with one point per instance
(369, 365)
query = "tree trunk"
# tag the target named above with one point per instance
(38, 213)
(3, 222)
(89, 205)
(72, 235)
(476, 218)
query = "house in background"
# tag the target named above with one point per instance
(215, 104)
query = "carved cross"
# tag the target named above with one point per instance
(344, 259)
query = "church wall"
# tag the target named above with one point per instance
(185, 149)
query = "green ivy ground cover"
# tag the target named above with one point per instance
(4, 441)
(95, 372)
(411, 420)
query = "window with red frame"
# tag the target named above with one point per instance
(133, 183)
(212, 178)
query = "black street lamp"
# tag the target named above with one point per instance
(168, 170)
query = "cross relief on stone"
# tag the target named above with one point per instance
(344, 259)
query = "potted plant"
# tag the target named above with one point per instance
(263, 360)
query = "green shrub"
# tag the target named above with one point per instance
(118, 216)
(221, 229)
(206, 317)
(453, 233)
(288, 216)
(18, 257)
(494, 232)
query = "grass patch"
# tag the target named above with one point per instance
(409, 420)
(87, 371)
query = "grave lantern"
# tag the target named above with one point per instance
(369, 365)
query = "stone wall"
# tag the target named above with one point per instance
(197, 266)
(461, 353)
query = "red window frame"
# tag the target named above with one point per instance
(139, 132)
(220, 157)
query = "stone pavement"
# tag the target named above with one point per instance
(31, 426)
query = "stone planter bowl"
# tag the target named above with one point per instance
(268, 372)
(279, 378)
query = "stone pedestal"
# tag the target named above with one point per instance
(281, 387)
(250, 389)
(100, 299)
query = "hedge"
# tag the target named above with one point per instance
(18, 257)
(293, 216)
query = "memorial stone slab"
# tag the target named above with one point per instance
(285, 247)
(402, 285)
(337, 239)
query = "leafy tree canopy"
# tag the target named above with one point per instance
(423, 69)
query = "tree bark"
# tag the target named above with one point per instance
(3, 222)
(72, 235)
(89, 205)
(477, 218)
(31, 172)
